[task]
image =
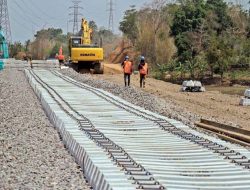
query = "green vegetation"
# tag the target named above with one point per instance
(231, 90)
(195, 39)
(47, 43)
(15, 48)
(198, 39)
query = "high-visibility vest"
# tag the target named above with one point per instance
(127, 67)
(144, 69)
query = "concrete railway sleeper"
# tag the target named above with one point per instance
(174, 159)
(117, 154)
(166, 126)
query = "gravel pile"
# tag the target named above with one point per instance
(138, 97)
(31, 153)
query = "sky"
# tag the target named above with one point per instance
(29, 16)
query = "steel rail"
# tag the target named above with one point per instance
(232, 134)
(132, 168)
(183, 165)
(165, 125)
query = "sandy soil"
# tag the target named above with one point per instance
(211, 104)
(112, 69)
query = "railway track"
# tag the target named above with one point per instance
(122, 146)
(226, 132)
(41, 64)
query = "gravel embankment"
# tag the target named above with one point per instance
(32, 155)
(137, 97)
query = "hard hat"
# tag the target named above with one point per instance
(126, 57)
(142, 58)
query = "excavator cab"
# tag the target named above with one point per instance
(76, 41)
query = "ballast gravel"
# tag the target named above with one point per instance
(32, 155)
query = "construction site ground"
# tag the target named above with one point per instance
(224, 108)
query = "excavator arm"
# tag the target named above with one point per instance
(84, 55)
(86, 33)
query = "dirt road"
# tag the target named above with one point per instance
(212, 104)
(112, 69)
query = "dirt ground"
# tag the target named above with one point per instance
(112, 69)
(210, 104)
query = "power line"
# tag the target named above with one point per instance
(4, 20)
(25, 18)
(76, 15)
(27, 28)
(30, 5)
(41, 10)
(23, 25)
(31, 10)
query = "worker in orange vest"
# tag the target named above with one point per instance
(143, 69)
(128, 69)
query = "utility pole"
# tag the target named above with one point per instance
(4, 20)
(111, 15)
(76, 15)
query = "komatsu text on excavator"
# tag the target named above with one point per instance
(83, 54)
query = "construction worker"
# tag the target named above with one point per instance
(30, 61)
(127, 68)
(143, 69)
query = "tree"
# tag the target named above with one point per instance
(93, 26)
(27, 45)
(219, 7)
(128, 24)
(210, 35)
(189, 17)
(220, 54)
(213, 55)
(46, 43)
(54, 50)
(16, 48)
(50, 33)
(148, 29)
(108, 40)
(188, 27)
(158, 18)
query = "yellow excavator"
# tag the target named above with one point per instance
(85, 56)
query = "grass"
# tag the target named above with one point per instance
(240, 79)
(231, 90)
(238, 75)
